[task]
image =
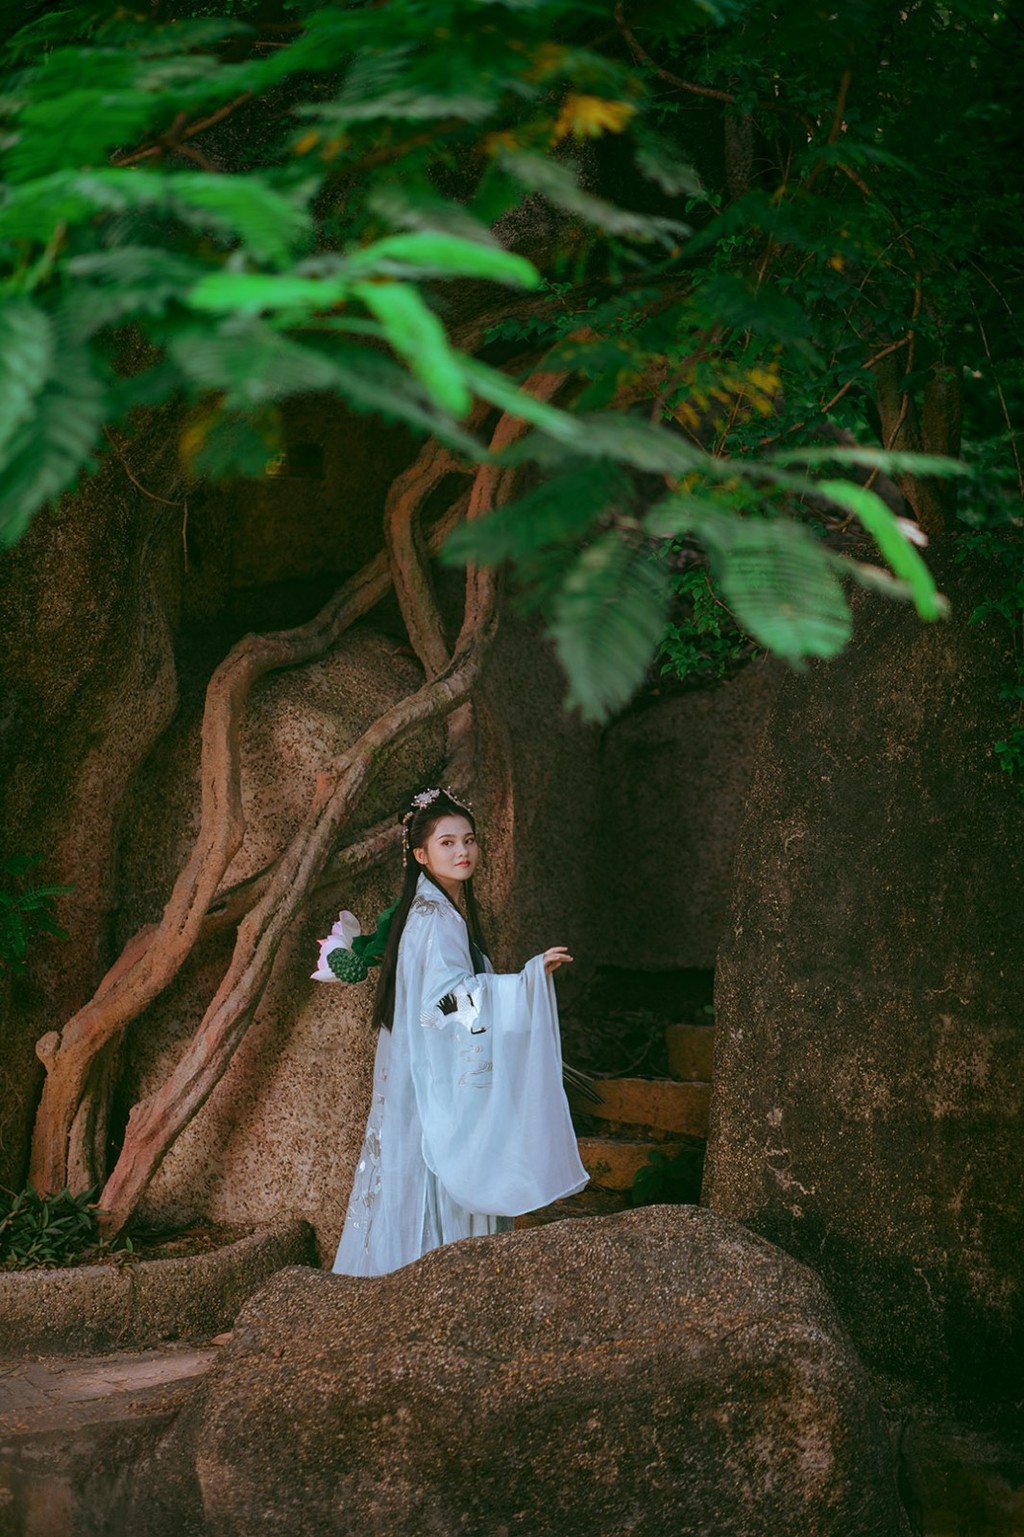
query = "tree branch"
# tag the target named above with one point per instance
(175, 137)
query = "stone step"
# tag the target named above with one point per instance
(72, 1429)
(613, 1162)
(589, 1203)
(659, 1104)
(691, 1051)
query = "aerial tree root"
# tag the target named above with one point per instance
(70, 1128)
(155, 1123)
(64, 1143)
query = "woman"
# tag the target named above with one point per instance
(469, 1124)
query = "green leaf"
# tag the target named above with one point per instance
(26, 354)
(50, 449)
(886, 459)
(417, 335)
(883, 525)
(501, 391)
(608, 620)
(620, 436)
(250, 362)
(129, 281)
(643, 444)
(271, 226)
(776, 578)
(371, 381)
(425, 254)
(659, 160)
(233, 446)
(561, 508)
(556, 181)
(249, 293)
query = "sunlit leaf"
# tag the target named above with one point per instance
(417, 335)
(501, 391)
(883, 525)
(427, 254)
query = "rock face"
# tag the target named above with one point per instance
(88, 602)
(660, 1372)
(869, 1073)
(675, 779)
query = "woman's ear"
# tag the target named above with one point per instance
(420, 856)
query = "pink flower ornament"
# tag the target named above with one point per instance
(340, 938)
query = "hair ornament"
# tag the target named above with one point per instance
(420, 802)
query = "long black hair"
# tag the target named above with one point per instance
(418, 829)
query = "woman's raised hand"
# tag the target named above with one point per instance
(557, 956)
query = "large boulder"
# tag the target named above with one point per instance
(869, 1072)
(659, 1372)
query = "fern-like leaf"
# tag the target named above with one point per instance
(417, 335)
(49, 450)
(26, 356)
(608, 620)
(778, 581)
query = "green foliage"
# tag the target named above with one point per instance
(370, 947)
(26, 910)
(702, 642)
(268, 213)
(669, 1180)
(608, 617)
(45, 1230)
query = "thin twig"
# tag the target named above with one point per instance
(137, 483)
(642, 57)
(1011, 430)
(840, 111)
(174, 140)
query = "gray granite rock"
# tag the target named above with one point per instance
(658, 1372)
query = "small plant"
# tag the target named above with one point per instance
(671, 1181)
(25, 910)
(702, 641)
(45, 1230)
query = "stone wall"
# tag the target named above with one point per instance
(869, 1077)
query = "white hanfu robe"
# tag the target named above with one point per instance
(469, 1124)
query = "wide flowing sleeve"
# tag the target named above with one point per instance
(487, 1068)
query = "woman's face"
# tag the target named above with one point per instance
(451, 852)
